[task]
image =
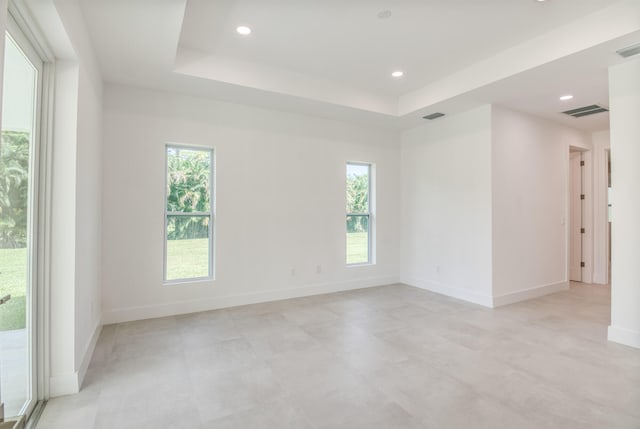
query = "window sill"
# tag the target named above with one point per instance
(188, 281)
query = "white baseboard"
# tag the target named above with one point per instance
(65, 384)
(534, 292)
(129, 314)
(70, 383)
(88, 353)
(451, 291)
(625, 336)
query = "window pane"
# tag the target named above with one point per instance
(188, 180)
(358, 239)
(187, 247)
(357, 188)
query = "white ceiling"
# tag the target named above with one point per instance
(334, 58)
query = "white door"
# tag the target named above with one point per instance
(575, 217)
(19, 149)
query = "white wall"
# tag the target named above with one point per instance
(63, 232)
(530, 172)
(280, 196)
(75, 319)
(601, 144)
(446, 206)
(485, 205)
(624, 97)
(88, 215)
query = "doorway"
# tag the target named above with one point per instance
(19, 167)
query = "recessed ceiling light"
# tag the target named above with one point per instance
(243, 30)
(566, 97)
(397, 73)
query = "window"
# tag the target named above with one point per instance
(359, 214)
(189, 214)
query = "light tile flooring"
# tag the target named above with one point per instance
(387, 357)
(13, 370)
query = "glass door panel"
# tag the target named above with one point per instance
(18, 146)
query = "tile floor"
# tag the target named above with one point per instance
(387, 357)
(13, 370)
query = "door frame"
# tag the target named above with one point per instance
(24, 31)
(576, 215)
(587, 213)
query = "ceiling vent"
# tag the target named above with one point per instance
(433, 116)
(586, 111)
(629, 51)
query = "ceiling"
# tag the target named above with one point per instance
(334, 58)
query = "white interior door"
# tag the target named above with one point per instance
(575, 217)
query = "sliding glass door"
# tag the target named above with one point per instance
(19, 148)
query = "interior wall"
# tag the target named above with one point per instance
(88, 213)
(62, 324)
(530, 174)
(74, 284)
(446, 206)
(624, 98)
(280, 198)
(601, 144)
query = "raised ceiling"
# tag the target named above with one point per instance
(335, 58)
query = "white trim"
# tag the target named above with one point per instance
(24, 19)
(88, 353)
(44, 241)
(129, 314)
(534, 292)
(587, 216)
(70, 383)
(625, 336)
(451, 291)
(212, 217)
(61, 385)
(370, 214)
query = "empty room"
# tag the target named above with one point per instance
(319, 214)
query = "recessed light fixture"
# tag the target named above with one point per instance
(566, 97)
(397, 73)
(244, 30)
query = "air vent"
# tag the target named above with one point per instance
(433, 116)
(629, 51)
(586, 111)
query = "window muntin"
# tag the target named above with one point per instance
(358, 216)
(189, 214)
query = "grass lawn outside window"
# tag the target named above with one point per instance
(13, 276)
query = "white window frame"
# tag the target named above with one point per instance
(211, 213)
(370, 215)
(23, 30)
